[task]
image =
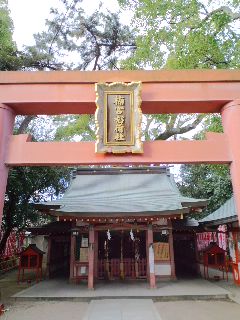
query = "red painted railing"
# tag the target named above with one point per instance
(131, 269)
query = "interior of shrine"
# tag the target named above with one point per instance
(121, 254)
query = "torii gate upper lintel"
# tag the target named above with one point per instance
(188, 91)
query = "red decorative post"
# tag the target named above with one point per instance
(150, 254)
(91, 258)
(96, 255)
(231, 124)
(6, 127)
(171, 248)
(48, 271)
(72, 257)
(197, 255)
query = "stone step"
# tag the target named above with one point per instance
(122, 309)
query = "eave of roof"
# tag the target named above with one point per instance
(225, 214)
(121, 214)
(124, 191)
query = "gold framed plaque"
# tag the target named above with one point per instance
(118, 118)
(83, 255)
(161, 251)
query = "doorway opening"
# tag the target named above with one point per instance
(122, 255)
(185, 255)
(59, 263)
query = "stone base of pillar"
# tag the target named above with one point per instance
(91, 282)
(72, 280)
(152, 281)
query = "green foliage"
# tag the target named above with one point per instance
(8, 50)
(213, 123)
(185, 34)
(207, 181)
(80, 127)
(10, 57)
(27, 185)
(211, 182)
(6, 26)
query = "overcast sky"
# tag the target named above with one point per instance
(29, 16)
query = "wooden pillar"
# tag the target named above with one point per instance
(72, 257)
(147, 260)
(7, 117)
(197, 255)
(171, 248)
(150, 259)
(91, 258)
(48, 257)
(231, 124)
(96, 255)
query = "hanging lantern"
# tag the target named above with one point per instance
(75, 232)
(108, 235)
(132, 235)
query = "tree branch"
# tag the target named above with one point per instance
(180, 130)
(224, 9)
(149, 121)
(59, 29)
(25, 123)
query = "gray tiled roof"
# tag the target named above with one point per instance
(226, 212)
(122, 193)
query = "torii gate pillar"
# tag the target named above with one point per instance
(231, 124)
(6, 128)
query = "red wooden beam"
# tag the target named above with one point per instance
(190, 91)
(80, 98)
(23, 153)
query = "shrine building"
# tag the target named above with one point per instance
(117, 223)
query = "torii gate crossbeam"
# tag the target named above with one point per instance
(188, 91)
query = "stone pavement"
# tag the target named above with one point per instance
(123, 309)
(75, 310)
(192, 289)
(232, 288)
(198, 310)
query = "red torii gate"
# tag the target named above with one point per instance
(189, 91)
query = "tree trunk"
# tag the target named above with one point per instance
(25, 123)
(4, 240)
(8, 223)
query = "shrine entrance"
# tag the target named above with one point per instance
(59, 257)
(122, 255)
(185, 255)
